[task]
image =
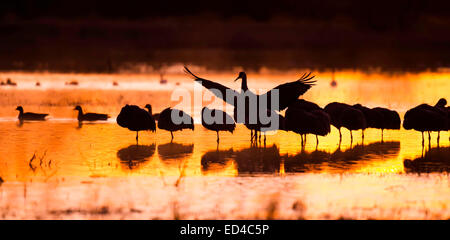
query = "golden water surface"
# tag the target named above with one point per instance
(60, 169)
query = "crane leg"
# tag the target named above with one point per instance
(438, 138)
(351, 137)
(217, 136)
(423, 140)
(340, 135)
(137, 137)
(171, 134)
(429, 140)
(317, 141)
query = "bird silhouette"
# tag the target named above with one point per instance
(30, 116)
(344, 115)
(174, 120)
(380, 118)
(8, 83)
(247, 104)
(90, 116)
(305, 117)
(426, 118)
(136, 119)
(390, 120)
(333, 82)
(217, 120)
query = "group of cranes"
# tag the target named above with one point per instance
(301, 116)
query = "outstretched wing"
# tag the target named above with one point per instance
(217, 89)
(289, 92)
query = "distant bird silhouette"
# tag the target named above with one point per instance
(166, 122)
(426, 118)
(29, 115)
(305, 117)
(149, 108)
(90, 116)
(162, 80)
(217, 120)
(287, 92)
(136, 119)
(9, 82)
(344, 115)
(72, 83)
(333, 82)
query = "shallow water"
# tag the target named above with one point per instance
(59, 169)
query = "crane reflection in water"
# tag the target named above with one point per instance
(435, 159)
(135, 156)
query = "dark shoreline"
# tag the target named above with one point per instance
(93, 45)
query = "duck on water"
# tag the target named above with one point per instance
(90, 116)
(29, 116)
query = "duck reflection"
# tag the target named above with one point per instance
(174, 150)
(216, 159)
(134, 156)
(434, 160)
(341, 160)
(258, 159)
(20, 123)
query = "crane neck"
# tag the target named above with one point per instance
(244, 86)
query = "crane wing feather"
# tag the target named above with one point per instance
(289, 92)
(217, 89)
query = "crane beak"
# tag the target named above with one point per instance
(237, 78)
